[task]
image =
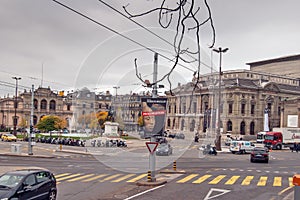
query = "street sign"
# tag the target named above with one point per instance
(152, 146)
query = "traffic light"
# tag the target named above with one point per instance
(31, 129)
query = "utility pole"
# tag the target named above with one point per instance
(218, 136)
(152, 157)
(31, 123)
(16, 105)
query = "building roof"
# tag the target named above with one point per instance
(275, 60)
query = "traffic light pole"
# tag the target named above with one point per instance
(31, 123)
(152, 157)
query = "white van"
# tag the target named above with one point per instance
(241, 146)
(260, 137)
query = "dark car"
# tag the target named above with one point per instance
(164, 149)
(28, 184)
(171, 135)
(259, 154)
(179, 136)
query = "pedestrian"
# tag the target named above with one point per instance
(297, 147)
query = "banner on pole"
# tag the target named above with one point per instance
(154, 114)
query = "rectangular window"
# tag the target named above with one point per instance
(243, 106)
(230, 108)
(194, 107)
(252, 109)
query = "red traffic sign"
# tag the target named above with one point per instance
(152, 146)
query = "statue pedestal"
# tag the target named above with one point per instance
(111, 129)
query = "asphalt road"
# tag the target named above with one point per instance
(225, 176)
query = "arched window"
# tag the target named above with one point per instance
(52, 105)
(34, 119)
(229, 125)
(35, 104)
(252, 128)
(243, 128)
(43, 104)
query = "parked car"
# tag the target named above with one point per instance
(28, 184)
(164, 149)
(8, 137)
(171, 135)
(241, 146)
(179, 136)
(259, 154)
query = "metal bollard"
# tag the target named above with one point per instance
(149, 178)
(296, 183)
(174, 166)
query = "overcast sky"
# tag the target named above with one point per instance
(48, 45)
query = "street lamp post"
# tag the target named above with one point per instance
(116, 87)
(16, 105)
(218, 136)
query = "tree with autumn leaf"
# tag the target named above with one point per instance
(51, 123)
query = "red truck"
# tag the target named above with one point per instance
(282, 137)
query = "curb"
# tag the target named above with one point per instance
(153, 184)
(169, 171)
(26, 155)
(74, 152)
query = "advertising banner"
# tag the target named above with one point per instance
(154, 114)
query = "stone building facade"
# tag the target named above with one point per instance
(47, 102)
(245, 95)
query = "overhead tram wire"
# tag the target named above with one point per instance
(140, 25)
(116, 32)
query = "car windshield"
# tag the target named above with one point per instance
(162, 146)
(259, 151)
(9, 180)
(269, 137)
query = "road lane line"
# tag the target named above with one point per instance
(202, 179)
(123, 178)
(189, 177)
(217, 179)
(291, 181)
(94, 178)
(80, 178)
(110, 177)
(262, 181)
(137, 178)
(67, 177)
(277, 181)
(60, 175)
(247, 180)
(232, 180)
(139, 194)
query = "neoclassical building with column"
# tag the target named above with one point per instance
(245, 94)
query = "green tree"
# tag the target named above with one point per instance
(51, 123)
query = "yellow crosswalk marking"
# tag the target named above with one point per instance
(291, 181)
(136, 178)
(217, 179)
(189, 177)
(110, 177)
(67, 177)
(60, 175)
(80, 178)
(232, 180)
(94, 178)
(247, 180)
(277, 181)
(123, 178)
(262, 181)
(202, 179)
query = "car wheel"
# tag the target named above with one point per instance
(251, 160)
(278, 147)
(267, 161)
(52, 195)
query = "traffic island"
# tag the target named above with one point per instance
(173, 171)
(151, 184)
